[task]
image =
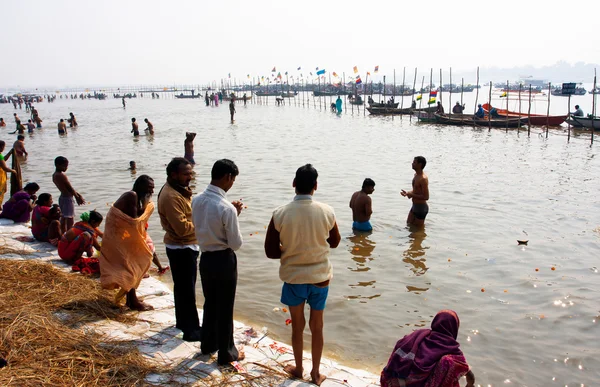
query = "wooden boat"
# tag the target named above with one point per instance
(393, 111)
(383, 105)
(267, 94)
(357, 102)
(534, 119)
(289, 95)
(558, 92)
(469, 119)
(187, 96)
(425, 116)
(585, 122)
(238, 99)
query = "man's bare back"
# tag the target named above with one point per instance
(63, 184)
(19, 147)
(361, 207)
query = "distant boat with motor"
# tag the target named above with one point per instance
(188, 96)
(384, 104)
(534, 119)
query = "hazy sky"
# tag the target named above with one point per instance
(107, 42)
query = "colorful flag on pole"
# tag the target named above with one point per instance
(355, 70)
(376, 69)
(432, 97)
(273, 69)
(321, 72)
(248, 76)
(368, 73)
(419, 97)
(279, 75)
(503, 94)
(334, 74)
(358, 80)
(299, 68)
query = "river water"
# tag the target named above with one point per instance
(530, 314)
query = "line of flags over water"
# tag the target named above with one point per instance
(320, 73)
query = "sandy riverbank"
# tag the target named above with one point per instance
(169, 359)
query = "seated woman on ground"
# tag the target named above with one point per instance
(429, 357)
(82, 238)
(18, 208)
(45, 220)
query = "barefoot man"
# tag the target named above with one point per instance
(188, 145)
(361, 206)
(419, 193)
(67, 193)
(125, 256)
(300, 234)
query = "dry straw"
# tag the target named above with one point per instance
(42, 313)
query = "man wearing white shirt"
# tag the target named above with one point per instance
(218, 234)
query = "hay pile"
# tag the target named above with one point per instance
(41, 308)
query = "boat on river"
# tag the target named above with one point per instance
(384, 104)
(585, 122)
(470, 119)
(289, 95)
(534, 119)
(267, 93)
(558, 92)
(385, 111)
(187, 96)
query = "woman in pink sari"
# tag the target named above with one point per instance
(429, 357)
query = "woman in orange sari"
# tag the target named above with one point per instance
(429, 357)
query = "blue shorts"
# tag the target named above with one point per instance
(362, 226)
(296, 294)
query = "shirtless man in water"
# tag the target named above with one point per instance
(188, 145)
(361, 206)
(19, 146)
(150, 127)
(419, 193)
(62, 127)
(134, 128)
(67, 193)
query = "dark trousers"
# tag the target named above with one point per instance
(184, 264)
(218, 272)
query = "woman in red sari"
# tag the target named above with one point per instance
(82, 238)
(429, 357)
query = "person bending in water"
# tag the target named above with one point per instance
(67, 193)
(188, 145)
(19, 146)
(72, 121)
(150, 127)
(419, 193)
(62, 127)
(361, 206)
(134, 128)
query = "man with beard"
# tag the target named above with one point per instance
(175, 211)
(125, 255)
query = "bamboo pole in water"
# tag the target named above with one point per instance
(394, 88)
(383, 92)
(489, 113)
(450, 95)
(529, 114)
(345, 94)
(440, 88)
(548, 110)
(402, 89)
(593, 106)
(365, 95)
(422, 86)
(569, 127)
(507, 94)
(519, 124)
(413, 97)
(476, 94)
(462, 90)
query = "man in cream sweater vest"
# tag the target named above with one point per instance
(300, 234)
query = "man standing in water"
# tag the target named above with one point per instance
(175, 211)
(123, 100)
(232, 109)
(67, 193)
(300, 234)
(62, 127)
(218, 234)
(419, 193)
(134, 128)
(361, 206)
(19, 146)
(150, 127)
(188, 146)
